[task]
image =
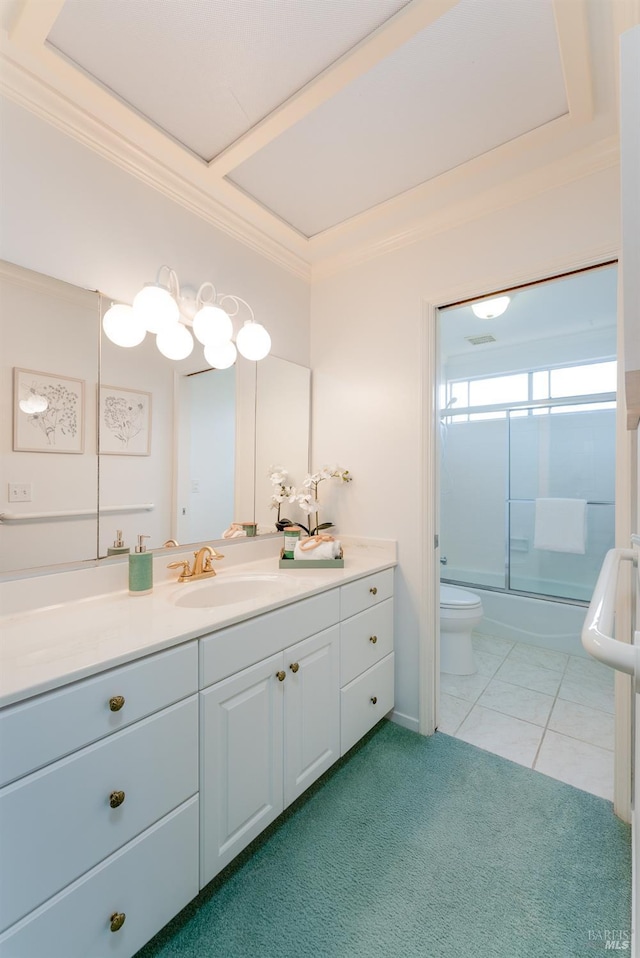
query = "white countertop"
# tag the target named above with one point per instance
(49, 647)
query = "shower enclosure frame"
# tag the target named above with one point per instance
(507, 408)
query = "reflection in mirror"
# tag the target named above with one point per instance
(198, 471)
(135, 426)
(282, 429)
(215, 451)
(143, 474)
(49, 465)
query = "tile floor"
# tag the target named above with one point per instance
(546, 710)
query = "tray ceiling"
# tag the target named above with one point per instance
(314, 128)
(206, 72)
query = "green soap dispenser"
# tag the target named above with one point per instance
(141, 569)
(118, 548)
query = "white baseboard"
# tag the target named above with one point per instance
(406, 721)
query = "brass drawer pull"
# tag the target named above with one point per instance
(294, 667)
(281, 676)
(116, 703)
(374, 699)
(117, 920)
(373, 639)
(116, 799)
(373, 591)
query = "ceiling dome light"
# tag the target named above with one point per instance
(254, 342)
(212, 324)
(156, 307)
(175, 342)
(490, 308)
(221, 355)
(123, 326)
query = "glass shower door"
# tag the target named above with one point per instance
(556, 549)
(473, 491)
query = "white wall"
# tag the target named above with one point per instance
(68, 213)
(366, 356)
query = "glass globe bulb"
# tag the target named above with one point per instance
(156, 307)
(220, 355)
(175, 342)
(211, 324)
(491, 308)
(123, 326)
(33, 403)
(253, 341)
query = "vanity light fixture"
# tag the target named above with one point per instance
(491, 308)
(162, 309)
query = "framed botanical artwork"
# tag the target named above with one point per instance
(125, 422)
(48, 412)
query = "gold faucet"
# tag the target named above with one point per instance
(202, 567)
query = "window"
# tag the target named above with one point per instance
(582, 380)
(499, 390)
(519, 394)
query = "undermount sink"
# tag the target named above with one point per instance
(229, 590)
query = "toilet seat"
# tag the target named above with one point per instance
(451, 597)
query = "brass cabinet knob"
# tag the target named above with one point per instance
(116, 799)
(117, 920)
(294, 666)
(373, 591)
(374, 699)
(281, 676)
(116, 702)
(373, 639)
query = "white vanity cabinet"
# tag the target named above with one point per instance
(104, 806)
(366, 655)
(270, 729)
(123, 793)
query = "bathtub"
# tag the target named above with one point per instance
(549, 624)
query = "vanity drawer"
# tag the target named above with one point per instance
(365, 639)
(363, 593)
(230, 650)
(43, 729)
(135, 882)
(358, 711)
(58, 823)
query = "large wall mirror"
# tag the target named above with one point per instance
(184, 451)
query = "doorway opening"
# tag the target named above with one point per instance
(527, 411)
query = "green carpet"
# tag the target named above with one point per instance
(413, 847)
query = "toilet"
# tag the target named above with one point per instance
(460, 613)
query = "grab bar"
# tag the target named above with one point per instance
(597, 637)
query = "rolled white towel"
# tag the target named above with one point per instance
(317, 547)
(235, 531)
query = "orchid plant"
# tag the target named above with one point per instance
(283, 491)
(307, 500)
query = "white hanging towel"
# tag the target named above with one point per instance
(560, 525)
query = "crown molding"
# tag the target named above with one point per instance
(32, 93)
(603, 155)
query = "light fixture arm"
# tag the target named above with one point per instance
(237, 300)
(172, 284)
(209, 300)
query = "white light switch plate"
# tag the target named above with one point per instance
(20, 492)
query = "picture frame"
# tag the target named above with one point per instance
(48, 412)
(124, 421)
